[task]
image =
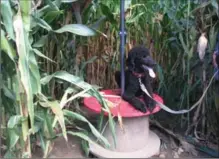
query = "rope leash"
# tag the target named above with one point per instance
(164, 107)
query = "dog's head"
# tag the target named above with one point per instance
(139, 60)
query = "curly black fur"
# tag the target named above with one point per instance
(217, 59)
(137, 57)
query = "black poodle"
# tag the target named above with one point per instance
(140, 65)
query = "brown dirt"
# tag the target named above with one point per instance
(63, 149)
(72, 149)
(170, 149)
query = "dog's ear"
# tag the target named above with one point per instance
(131, 61)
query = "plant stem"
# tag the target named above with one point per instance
(188, 63)
(2, 117)
(24, 113)
(203, 106)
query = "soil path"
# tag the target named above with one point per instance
(72, 149)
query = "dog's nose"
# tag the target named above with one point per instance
(151, 61)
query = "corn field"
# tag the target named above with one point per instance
(55, 52)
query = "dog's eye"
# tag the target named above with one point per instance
(144, 56)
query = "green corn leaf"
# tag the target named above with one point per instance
(63, 75)
(8, 93)
(6, 13)
(14, 120)
(25, 7)
(107, 12)
(98, 23)
(80, 94)
(45, 9)
(59, 114)
(42, 141)
(68, 1)
(160, 74)
(15, 87)
(42, 23)
(45, 80)
(132, 20)
(215, 4)
(52, 5)
(93, 129)
(52, 15)
(56, 109)
(78, 29)
(34, 73)
(6, 47)
(201, 6)
(85, 147)
(65, 96)
(38, 127)
(212, 38)
(183, 44)
(97, 95)
(13, 138)
(81, 135)
(48, 131)
(42, 55)
(91, 60)
(41, 42)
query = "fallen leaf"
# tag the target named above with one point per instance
(180, 150)
(175, 154)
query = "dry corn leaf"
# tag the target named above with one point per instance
(120, 122)
(110, 104)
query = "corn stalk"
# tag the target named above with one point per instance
(30, 115)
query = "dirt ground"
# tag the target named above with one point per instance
(63, 149)
(72, 149)
(169, 149)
